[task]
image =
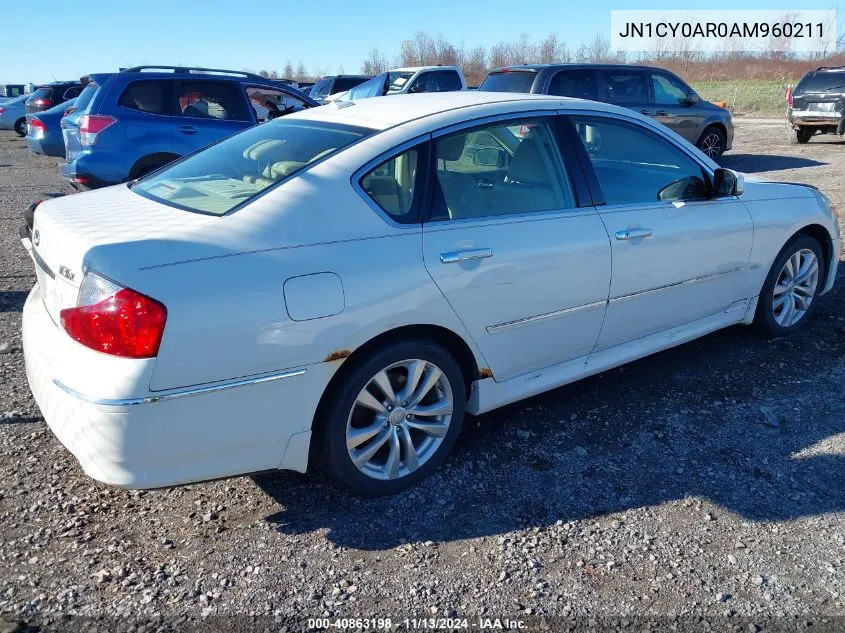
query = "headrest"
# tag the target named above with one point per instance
(451, 147)
(262, 150)
(527, 166)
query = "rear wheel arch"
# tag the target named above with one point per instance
(149, 163)
(445, 337)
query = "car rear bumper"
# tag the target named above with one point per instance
(814, 118)
(45, 146)
(171, 438)
(81, 178)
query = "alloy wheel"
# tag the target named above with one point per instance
(795, 288)
(712, 145)
(399, 419)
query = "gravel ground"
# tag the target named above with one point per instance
(703, 486)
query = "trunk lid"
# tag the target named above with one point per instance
(66, 229)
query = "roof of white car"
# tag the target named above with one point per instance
(413, 69)
(384, 112)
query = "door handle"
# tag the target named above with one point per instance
(645, 111)
(463, 256)
(633, 234)
(187, 129)
(485, 184)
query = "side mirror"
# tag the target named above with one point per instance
(691, 99)
(488, 157)
(727, 182)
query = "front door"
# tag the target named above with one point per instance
(672, 106)
(523, 261)
(679, 254)
(205, 112)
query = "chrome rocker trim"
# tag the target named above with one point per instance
(125, 402)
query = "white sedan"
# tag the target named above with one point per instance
(339, 287)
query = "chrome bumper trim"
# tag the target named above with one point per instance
(172, 395)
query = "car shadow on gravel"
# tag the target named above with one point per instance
(759, 163)
(732, 418)
(12, 300)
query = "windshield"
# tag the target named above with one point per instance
(508, 82)
(821, 81)
(397, 79)
(217, 179)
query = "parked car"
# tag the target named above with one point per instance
(334, 84)
(339, 286)
(654, 92)
(46, 96)
(12, 90)
(141, 118)
(405, 80)
(44, 134)
(13, 115)
(817, 105)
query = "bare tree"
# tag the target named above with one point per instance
(598, 51)
(263, 73)
(375, 64)
(420, 50)
(287, 73)
(475, 66)
(300, 74)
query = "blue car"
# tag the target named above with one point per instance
(43, 131)
(131, 123)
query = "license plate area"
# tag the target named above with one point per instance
(822, 106)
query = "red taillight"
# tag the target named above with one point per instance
(2, 109)
(44, 103)
(92, 124)
(38, 126)
(115, 320)
(789, 96)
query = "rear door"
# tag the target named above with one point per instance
(580, 83)
(515, 245)
(671, 105)
(625, 87)
(206, 111)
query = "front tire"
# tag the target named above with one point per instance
(712, 142)
(391, 419)
(20, 127)
(788, 297)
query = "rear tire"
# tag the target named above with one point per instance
(801, 135)
(392, 439)
(20, 127)
(791, 289)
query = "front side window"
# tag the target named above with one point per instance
(271, 103)
(229, 173)
(624, 86)
(146, 96)
(500, 169)
(211, 100)
(668, 90)
(575, 83)
(391, 185)
(634, 165)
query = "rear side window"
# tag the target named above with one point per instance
(229, 173)
(391, 185)
(145, 96)
(211, 100)
(625, 86)
(42, 93)
(575, 83)
(821, 82)
(70, 93)
(86, 96)
(448, 81)
(508, 82)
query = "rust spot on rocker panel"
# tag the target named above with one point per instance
(485, 372)
(338, 355)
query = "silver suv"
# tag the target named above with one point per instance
(652, 91)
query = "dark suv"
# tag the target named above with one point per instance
(655, 92)
(818, 104)
(135, 121)
(47, 96)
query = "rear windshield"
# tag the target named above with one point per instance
(42, 93)
(508, 82)
(219, 178)
(821, 82)
(86, 95)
